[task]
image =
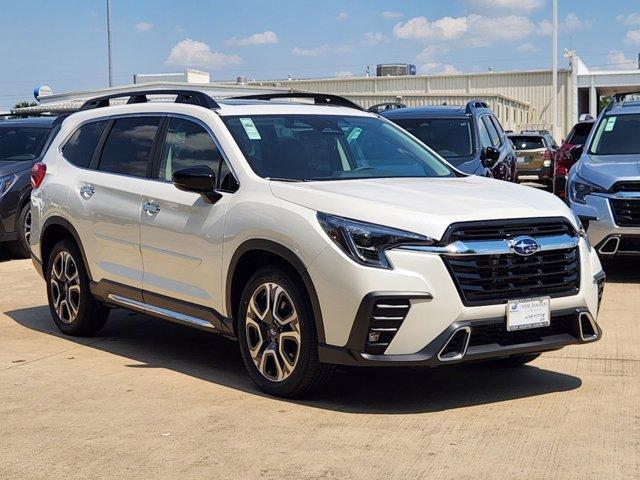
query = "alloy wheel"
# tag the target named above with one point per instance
(65, 287)
(26, 227)
(273, 332)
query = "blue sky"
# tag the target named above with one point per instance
(63, 43)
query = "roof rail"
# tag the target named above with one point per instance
(318, 98)
(477, 103)
(193, 97)
(381, 107)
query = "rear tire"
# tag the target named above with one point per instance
(277, 335)
(21, 247)
(73, 308)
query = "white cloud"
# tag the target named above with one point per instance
(374, 38)
(633, 37)
(144, 26)
(429, 61)
(343, 16)
(618, 61)
(528, 48)
(473, 30)
(264, 38)
(390, 14)
(545, 27)
(312, 52)
(629, 19)
(572, 23)
(193, 53)
(345, 74)
(514, 5)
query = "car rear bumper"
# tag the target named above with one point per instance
(542, 175)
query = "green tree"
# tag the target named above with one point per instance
(24, 104)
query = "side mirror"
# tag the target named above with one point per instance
(576, 152)
(199, 179)
(489, 156)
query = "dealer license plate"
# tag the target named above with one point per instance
(523, 159)
(528, 313)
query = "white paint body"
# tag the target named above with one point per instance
(185, 251)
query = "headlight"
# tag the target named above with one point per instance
(366, 243)
(579, 189)
(5, 183)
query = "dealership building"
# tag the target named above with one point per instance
(521, 99)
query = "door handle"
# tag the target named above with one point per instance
(152, 208)
(87, 191)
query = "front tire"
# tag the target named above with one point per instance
(277, 334)
(73, 308)
(21, 247)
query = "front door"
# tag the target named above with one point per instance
(182, 234)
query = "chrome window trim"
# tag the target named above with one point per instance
(493, 247)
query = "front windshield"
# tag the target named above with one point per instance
(330, 147)
(20, 142)
(450, 137)
(617, 135)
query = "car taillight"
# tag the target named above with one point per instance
(38, 171)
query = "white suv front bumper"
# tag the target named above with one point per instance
(348, 292)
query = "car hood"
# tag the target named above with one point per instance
(470, 165)
(422, 205)
(605, 170)
(8, 168)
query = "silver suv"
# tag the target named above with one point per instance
(314, 233)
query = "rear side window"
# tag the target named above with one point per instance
(187, 144)
(79, 148)
(127, 150)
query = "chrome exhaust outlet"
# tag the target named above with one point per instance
(587, 327)
(456, 346)
(610, 246)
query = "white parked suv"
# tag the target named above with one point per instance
(311, 231)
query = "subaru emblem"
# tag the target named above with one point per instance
(524, 246)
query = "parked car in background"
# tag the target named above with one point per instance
(534, 153)
(469, 137)
(604, 185)
(563, 160)
(315, 234)
(23, 142)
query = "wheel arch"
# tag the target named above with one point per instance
(55, 229)
(243, 264)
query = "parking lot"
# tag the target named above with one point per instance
(149, 398)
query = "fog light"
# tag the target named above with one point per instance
(373, 337)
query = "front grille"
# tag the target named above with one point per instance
(497, 332)
(626, 211)
(509, 229)
(625, 187)
(490, 279)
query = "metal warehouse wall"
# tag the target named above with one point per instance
(530, 90)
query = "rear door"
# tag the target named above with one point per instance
(105, 202)
(181, 234)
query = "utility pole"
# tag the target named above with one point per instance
(109, 42)
(554, 97)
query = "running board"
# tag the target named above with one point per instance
(162, 312)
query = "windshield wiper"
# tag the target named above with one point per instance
(277, 179)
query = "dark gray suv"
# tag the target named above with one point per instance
(23, 142)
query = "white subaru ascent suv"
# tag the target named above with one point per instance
(311, 231)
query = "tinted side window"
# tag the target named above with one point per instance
(496, 124)
(127, 150)
(226, 181)
(80, 146)
(493, 133)
(483, 135)
(187, 144)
